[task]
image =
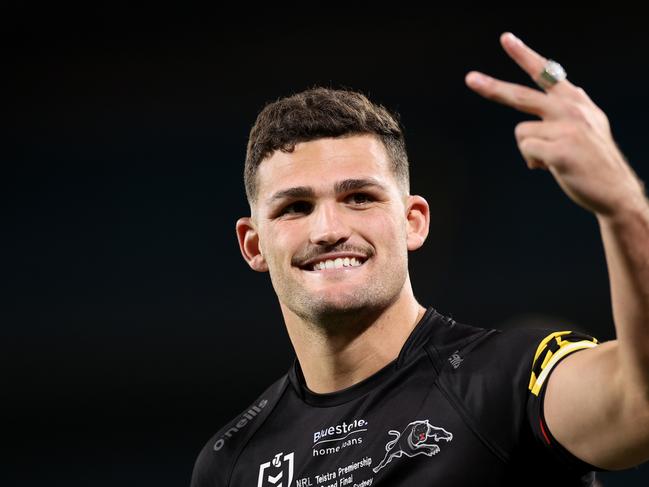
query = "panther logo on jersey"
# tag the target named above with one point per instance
(284, 466)
(412, 441)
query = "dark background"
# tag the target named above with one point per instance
(132, 330)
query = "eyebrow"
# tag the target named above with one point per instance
(343, 186)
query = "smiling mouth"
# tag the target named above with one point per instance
(338, 263)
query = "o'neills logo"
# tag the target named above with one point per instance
(247, 416)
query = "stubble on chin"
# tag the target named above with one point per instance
(333, 316)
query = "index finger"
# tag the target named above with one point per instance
(532, 62)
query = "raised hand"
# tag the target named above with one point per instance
(572, 140)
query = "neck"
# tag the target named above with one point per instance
(332, 361)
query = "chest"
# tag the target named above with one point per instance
(404, 433)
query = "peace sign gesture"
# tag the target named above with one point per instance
(573, 138)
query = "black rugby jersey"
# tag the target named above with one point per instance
(459, 406)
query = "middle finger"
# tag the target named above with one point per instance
(532, 62)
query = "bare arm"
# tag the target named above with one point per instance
(597, 400)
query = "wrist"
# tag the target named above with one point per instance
(629, 209)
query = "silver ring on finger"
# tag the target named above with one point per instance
(551, 74)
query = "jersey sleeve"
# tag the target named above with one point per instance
(551, 350)
(215, 462)
(497, 382)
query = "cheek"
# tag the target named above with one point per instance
(288, 233)
(280, 240)
(389, 229)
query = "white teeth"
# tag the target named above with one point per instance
(337, 263)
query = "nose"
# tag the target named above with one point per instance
(328, 225)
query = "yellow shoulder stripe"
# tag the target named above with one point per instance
(545, 341)
(566, 349)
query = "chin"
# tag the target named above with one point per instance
(339, 310)
(330, 303)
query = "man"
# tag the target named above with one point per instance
(385, 391)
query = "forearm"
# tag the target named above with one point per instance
(625, 235)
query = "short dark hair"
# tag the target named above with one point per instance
(317, 113)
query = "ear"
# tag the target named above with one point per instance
(249, 245)
(418, 217)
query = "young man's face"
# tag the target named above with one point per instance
(332, 227)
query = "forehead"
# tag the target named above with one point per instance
(322, 162)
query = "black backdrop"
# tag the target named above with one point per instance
(132, 329)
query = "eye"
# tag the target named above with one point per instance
(360, 198)
(297, 207)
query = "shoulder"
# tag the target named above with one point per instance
(523, 349)
(494, 376)
(488, 360)
(528, 355)
(520, 357)
(218, 456)
(455, 342)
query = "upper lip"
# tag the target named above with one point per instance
(333, 256)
